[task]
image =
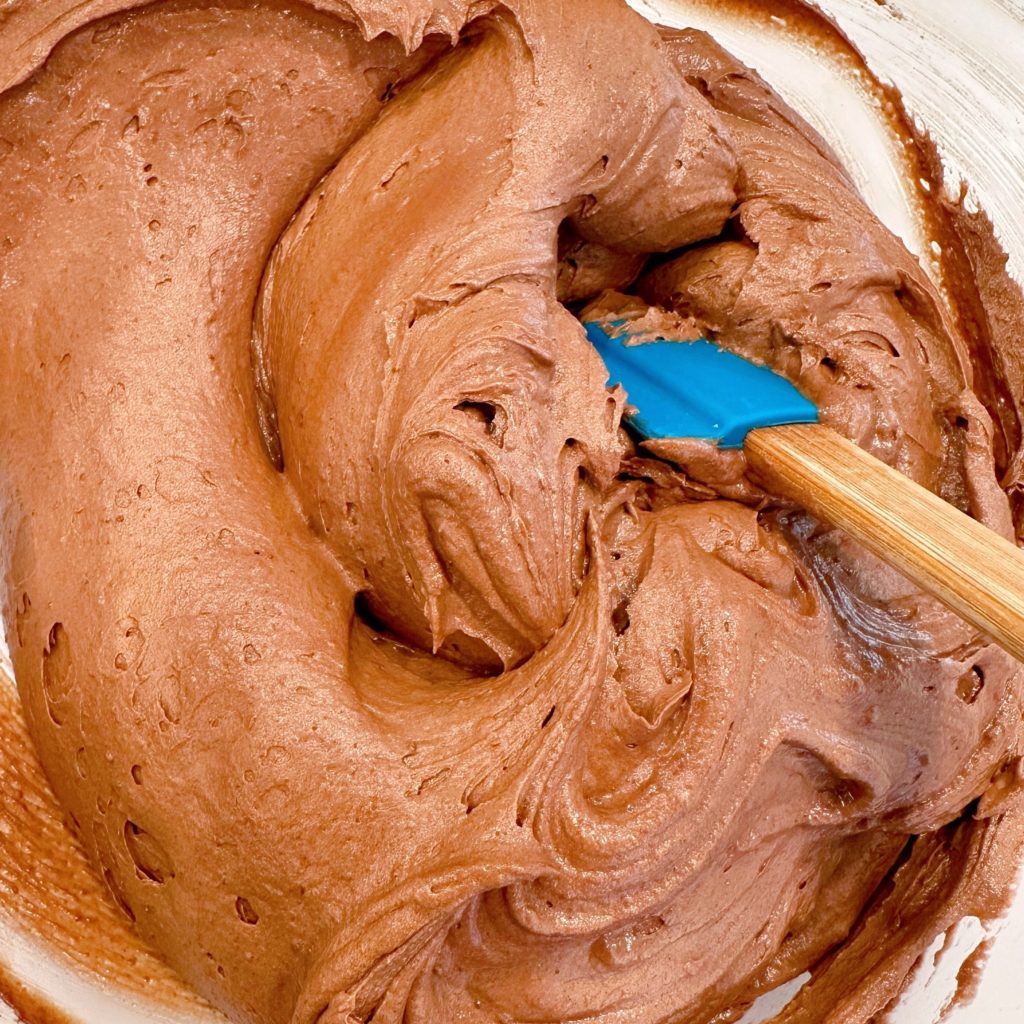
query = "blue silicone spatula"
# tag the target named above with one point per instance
(696, 389)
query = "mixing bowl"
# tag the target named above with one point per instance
(957, 67)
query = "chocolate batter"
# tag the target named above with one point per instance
(380, 672)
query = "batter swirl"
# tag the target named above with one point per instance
(383, 675)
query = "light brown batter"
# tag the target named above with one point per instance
(380, 673)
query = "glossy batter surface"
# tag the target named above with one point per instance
(379, 671)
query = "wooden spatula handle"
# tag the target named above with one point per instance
(972, 570)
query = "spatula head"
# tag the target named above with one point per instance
(695, 388)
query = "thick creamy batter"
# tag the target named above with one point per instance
(380, 673)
